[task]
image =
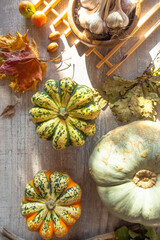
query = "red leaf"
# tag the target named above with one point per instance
(23, 66)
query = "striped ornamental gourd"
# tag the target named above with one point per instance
(51, 204)
(64, 112)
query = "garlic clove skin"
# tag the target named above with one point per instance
(114, 20)
(97, 27)
(93, 21)
(90, 4)
(128, 6)
(125, 20)
(117, 18)
(83, 18)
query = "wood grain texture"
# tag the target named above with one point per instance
(22, 153)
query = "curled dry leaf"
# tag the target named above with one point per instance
(100, 97)
(134, 98)
(8, 111)
(19, 62)
(10, 43)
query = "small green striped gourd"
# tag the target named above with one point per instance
(64, 112)
(51, 204)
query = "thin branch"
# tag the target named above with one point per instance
(49, 59)
(73, 71)
(106, 236)
(63, 61)
(5, 232)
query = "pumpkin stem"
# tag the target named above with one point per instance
(51, 205)
(62, 113)
(145, 178)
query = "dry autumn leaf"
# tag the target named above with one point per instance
(100, 97)
(134, 98)
(11, 43)
(19, 62)
(8, 111)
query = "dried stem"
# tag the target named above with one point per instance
(106, 236)
(73, 71)
(93, 10)
(56, 59)
(48, 59)
(118, 5)
(60, 60)
(143, 91)
(107, 9)
(10, 235)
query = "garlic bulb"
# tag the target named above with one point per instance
(117, 18)
(93, 22)
(83, 17)
(90, 4)
(128, 5)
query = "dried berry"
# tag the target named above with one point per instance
(54, 36)
(52, 47)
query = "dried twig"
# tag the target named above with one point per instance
(49, 59)
(107, 9)
(10, 235)
(56, 59)
(106, 236)
(73, 71)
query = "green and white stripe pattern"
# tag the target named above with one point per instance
(51, 204)
(64, 112)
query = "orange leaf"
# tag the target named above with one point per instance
(11, 43)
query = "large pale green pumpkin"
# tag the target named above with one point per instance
(125, 165)
(64, 112)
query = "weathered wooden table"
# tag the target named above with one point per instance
(22, 153)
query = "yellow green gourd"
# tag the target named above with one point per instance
(51, 204)
(64, 112)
